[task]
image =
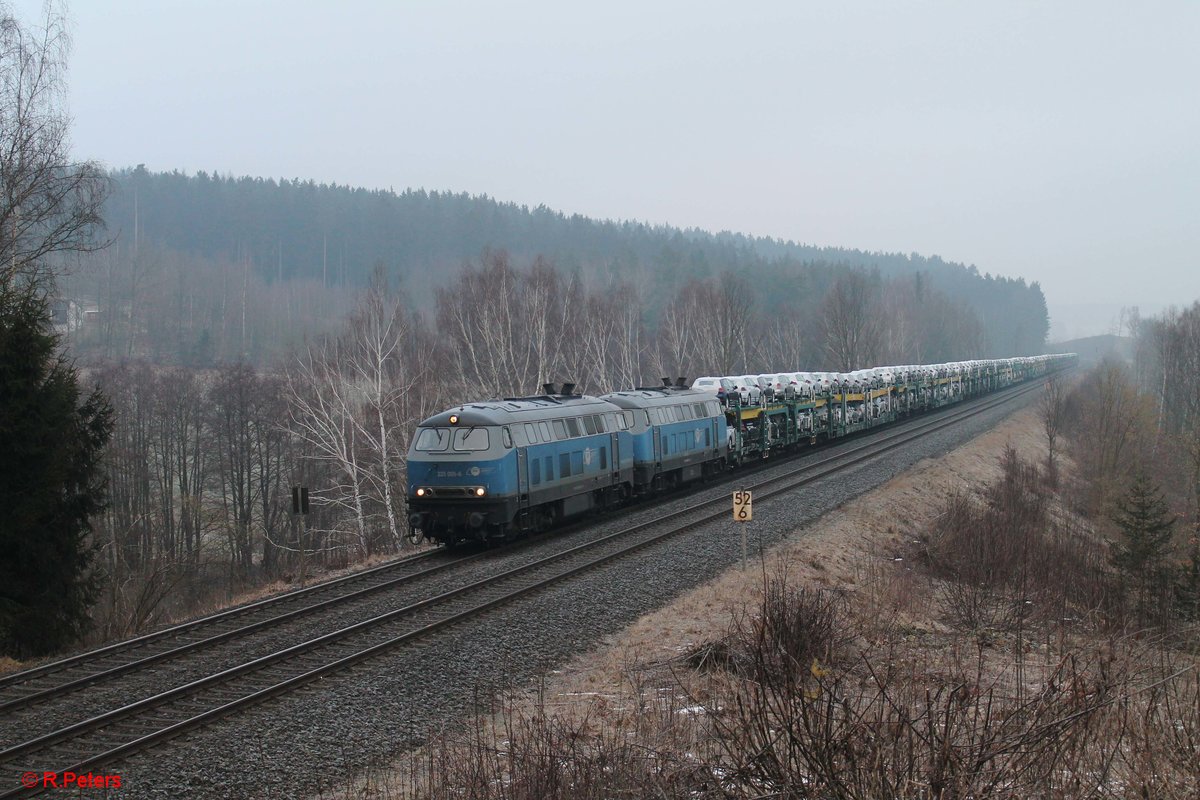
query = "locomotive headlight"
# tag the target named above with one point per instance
(420, 492)
(454, 419)
(480, 492)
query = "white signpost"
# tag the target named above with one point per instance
(743, 511)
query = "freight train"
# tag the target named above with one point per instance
(499, 469)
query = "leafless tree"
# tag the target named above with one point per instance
(710, 327)
(611, 340)
(49, 203)
(383, 368)
(509, 331)
(1053, 410)
(850, 321)
(321, 415)
(355, 398)
(244, 412)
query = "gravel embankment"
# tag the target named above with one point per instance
(312, 741)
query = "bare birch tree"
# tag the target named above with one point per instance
(850, 322)
(321, 416)
(49, 203)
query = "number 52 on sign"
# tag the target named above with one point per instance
(742, 508)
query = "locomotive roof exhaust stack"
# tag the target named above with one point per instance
(549, 388)
(666, 383)
(568, 389)
(681, 383)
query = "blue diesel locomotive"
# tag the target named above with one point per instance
(491, 470)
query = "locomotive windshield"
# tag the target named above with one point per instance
(433, 440)
(471, 439)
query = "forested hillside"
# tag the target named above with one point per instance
(220, 267)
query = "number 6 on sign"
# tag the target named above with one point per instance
(742, 508)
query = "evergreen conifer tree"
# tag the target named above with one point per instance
(50, 481)
(1142, 555)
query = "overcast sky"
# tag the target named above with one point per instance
(1053, 141)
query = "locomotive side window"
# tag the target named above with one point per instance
(469, 440)
(589, 425)
(699, 409)
(433, 440)
(573, 427)
(531, 433)
(507, 437)
(626, 420)
(599, 420)
(545, 430)
(560, 430)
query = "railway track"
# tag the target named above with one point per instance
(107, 737)
(48, 681)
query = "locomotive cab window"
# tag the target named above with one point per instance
(560, 430)
(573, 427)
(544, 428)
(433, 440)
(531, 433)
(469, 440)
(589, 425)
(507, 437)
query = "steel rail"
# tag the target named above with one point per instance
(126, 644)
(88, 679)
